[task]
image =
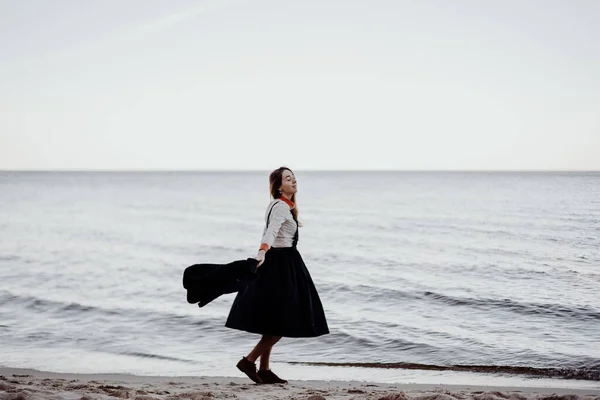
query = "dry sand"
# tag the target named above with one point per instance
(25, 384)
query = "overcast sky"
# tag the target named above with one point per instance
(313, 84)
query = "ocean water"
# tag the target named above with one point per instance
(426, 277)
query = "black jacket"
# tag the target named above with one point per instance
(206, 282)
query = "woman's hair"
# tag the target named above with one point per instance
(275, 181)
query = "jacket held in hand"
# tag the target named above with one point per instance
(206, 282)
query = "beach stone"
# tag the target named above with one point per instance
(395, 396)
(436, 396)
(6, 386)
(356, 391)
(118, 387)
(316, 397)
(79, 386)
(489, 396)
(558, 397)
(452, 394)
(196, 395)
(517, 396)
(203, 396)
(121, 394)
(19, 396)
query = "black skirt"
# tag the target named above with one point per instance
(281, 301)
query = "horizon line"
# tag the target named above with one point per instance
(297, 169)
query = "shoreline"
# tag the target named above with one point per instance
(29, 384)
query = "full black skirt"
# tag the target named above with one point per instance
(281, 301)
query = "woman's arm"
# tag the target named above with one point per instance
(277, 218)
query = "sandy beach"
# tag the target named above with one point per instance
(27, 384)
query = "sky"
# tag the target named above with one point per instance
(312, 84)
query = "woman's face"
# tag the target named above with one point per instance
(288, 183)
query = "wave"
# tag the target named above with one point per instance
(550, 310)
(585, 373)
(385, 295)
(59, 307)
(340, 339)
(155, 356)
(9, 257)
(63, 308)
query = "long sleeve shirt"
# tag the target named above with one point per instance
(281, 227)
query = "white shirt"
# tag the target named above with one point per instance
(282, 228)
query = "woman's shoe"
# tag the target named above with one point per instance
(249, 368)
(268, 376)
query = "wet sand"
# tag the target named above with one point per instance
(26, 384)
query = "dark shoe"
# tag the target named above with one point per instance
(249, 368)
(269, 376)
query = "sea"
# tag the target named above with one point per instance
(425, 277)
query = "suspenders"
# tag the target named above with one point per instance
(295, 240)
(269, 216)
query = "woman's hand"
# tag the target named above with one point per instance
(260, 256)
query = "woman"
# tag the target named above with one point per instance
(282, 301)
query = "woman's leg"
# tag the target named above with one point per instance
(266, 355)
(264, 345)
